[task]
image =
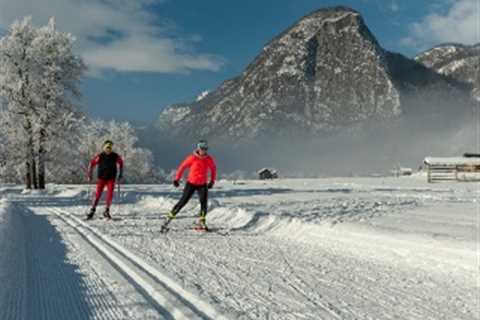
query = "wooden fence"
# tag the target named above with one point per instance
(452, 172)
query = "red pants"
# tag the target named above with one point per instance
(110, 188)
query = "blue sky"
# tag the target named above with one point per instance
(146, 54)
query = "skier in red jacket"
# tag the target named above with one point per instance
(107, 162)
(199, 163)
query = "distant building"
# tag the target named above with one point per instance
(466, 168)
(267, 173)
(471, 155)
(406, 171)
(402, 172)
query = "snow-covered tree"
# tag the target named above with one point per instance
(61, 71)
(17, 67)
(39, 74)
(138, 161)
(39, 120)
(12, 153)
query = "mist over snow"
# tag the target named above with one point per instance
(324, 98)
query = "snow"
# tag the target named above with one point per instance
(305, 25)
(288, 69)
(175, 114)
(338, 248)
(452, 161)
(452, 67)
(445, 50)
(202, 95)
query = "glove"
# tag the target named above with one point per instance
(210, 185)
(176, 183)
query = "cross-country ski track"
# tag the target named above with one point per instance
(166, 299)
(289, 249)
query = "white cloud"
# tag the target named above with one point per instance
(143, 54)
(461, 23)
(132, 39)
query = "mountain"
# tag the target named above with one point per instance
(323, 91)
(325, 73)
(461, 62)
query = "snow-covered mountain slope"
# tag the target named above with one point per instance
(327, 72)
(462, 62)
(358, 248)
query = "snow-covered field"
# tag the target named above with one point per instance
(356, 248)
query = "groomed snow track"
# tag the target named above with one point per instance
(166, 296)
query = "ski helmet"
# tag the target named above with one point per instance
(203, 145)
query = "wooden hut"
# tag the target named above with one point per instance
(267, 173)
(453, 169)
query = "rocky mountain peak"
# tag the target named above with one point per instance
(444, 54)
(325, 73)
(461, 62)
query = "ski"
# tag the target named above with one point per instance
(201, 228)
(199, 231)
(106, 217)
(216, 231)
(110, 219)
(102, 218)
(164, 228)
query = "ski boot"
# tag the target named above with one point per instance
(202, 222)
(106, 214)
(171, 216)
(90, 214)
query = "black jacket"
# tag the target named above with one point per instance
(107, 165)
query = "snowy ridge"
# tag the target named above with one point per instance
(458, 61)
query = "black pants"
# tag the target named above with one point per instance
(188, 192)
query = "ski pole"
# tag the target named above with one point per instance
(88, 194)
(92, 196)
(118, 192)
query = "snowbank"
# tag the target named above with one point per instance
(149, 203)
(4, 211)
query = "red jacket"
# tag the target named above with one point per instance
(199, 167)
